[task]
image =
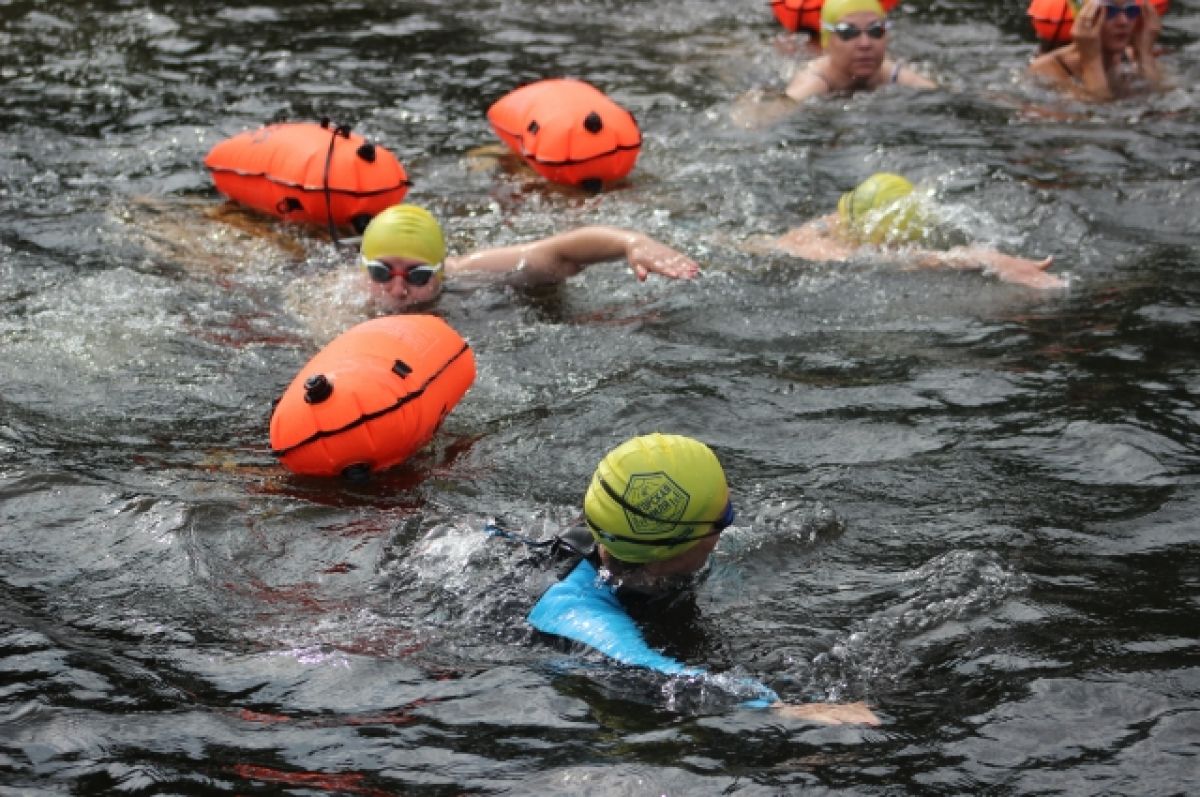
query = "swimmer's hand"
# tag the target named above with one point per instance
(1021, 271)
(1007, 268)
(647, 256)
(1085, 31)
(829, 713)
(1145, 33)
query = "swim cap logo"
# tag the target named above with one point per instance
(656, 495)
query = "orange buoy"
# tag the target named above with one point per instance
(568, 131)
(372, 397)
(1053, 19)
(798, 15)
(303, 171)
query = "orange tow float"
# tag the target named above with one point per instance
(798, 15)
(372, 397)
(568, 131)
(1053, 19)
(308, 172)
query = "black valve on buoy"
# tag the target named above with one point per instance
(317, 388)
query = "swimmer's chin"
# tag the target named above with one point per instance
(390, 304)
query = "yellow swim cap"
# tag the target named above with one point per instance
(655, 496)
(882, 210)
(833, 11)
(404, 231)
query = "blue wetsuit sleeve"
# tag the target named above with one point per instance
(582, 610)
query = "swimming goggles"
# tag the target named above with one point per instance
(416, 274)
(718, 524)
(848, 33)
(1131, 12)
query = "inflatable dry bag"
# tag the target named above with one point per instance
(372, 397)
(308, 172)
(568, 131)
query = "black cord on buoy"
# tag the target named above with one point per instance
(335, 131)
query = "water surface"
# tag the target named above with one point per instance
(971, 504)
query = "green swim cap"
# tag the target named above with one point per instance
(882, 209)
(833, 11)
(404, 231)
(654, 497)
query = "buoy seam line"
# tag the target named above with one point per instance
(315, 436)
(305, 188)
(571, 162)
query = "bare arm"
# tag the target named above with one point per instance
(1086, 34)
(1008, 268)
(816, 240)
(1145, 35)
(1091, 82)
(561, 256)
(809, 82)
(829, 713)
(912, 79)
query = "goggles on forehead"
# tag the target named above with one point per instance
(718, 524)
(417, 274)
(1130, 11)
(848, 33)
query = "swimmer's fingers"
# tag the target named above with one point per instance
(1047, 263)
(655, 258)
(1149, 25)
(1032, 277)
(1088, 22)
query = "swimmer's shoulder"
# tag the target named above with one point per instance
(810, 81)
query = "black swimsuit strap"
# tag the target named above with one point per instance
(1063, 63)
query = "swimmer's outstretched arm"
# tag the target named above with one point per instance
(583, 610)
(558, 257)
(1008, 268)
(829, 713)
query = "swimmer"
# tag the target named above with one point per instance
(404, 257)
(655, 509)
(854, 34)
(883, 212)
(1111, 54)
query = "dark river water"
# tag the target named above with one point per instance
(971, 504)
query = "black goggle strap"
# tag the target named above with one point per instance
(494, 529)
(719, 525)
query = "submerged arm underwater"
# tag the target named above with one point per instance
(583, 608)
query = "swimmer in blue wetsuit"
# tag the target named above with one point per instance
(656, 507)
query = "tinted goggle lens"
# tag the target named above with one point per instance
(1132, 12)
(417, 274)
(848, 33)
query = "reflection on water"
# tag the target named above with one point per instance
(967, 503)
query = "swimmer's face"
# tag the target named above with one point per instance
(400, 291)
(861, 56)
(1117, 30)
